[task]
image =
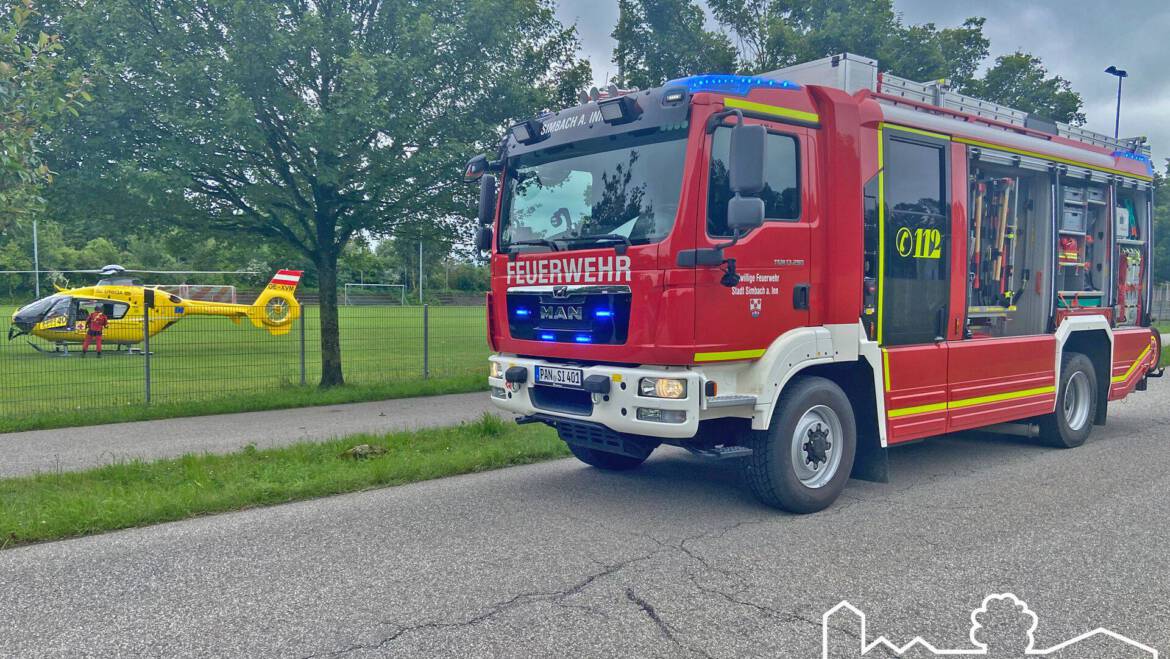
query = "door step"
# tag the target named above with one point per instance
(721, 452)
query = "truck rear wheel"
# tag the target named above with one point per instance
(802, 462)
(1076, 404)
(604, 459)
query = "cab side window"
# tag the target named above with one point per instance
(781, 193)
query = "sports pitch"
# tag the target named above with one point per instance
(204, 358)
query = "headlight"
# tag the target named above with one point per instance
(495, 370)
(662, 388)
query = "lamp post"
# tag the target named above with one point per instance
(1121, 75)
(36, 261)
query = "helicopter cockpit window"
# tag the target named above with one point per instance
(36, 310)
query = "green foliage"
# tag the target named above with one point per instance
(35, 93)
(307, 124)
(1020, 81)
(52, 506)
(775, 33)
(658, 40)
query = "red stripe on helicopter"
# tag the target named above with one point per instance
(288, 277)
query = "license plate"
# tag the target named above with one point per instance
(559, 377)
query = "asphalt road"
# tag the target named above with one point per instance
(672, 560)
(77, 448)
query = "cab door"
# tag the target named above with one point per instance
(915, 274)
(741, 321)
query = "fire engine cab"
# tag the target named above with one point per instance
(800, 269)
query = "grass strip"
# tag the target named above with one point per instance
(277, 399)
(54, 506)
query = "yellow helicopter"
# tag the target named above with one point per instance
(61, 318)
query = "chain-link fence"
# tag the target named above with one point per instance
(1160, 308)
(204, 351)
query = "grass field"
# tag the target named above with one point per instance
(209, 359)
(52, 506)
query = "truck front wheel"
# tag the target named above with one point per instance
(802, 462)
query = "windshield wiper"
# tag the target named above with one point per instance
(604, 238)
(537, 241)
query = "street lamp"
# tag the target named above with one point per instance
(1121, 74)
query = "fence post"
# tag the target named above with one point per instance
(146, 343)
(426, 341)
(304, 313)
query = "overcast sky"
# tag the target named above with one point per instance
(1076, 39)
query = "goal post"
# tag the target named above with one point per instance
(355, 294)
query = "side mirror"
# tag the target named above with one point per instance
(483, 239)
(487, 199)
(745, 211)
(744, 214)
(746, 160)
(475, 168)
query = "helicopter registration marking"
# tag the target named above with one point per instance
(282, 287)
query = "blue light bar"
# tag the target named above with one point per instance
(1140, 157)
(583, 338)
(603, 313)
(729, 84)
(548, 337)
(523, 312)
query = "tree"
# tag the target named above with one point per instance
(310, 123)
(1020, 81)
(658, 40)
(776, 33)
(35, 94)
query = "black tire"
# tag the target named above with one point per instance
(606, 460)
(770, 471)
(1069, 426)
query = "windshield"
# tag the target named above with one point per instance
(36, 310)
(597, 191)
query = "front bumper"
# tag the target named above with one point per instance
(617, 410)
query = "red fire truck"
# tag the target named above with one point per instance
(803, 268)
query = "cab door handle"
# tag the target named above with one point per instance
(800, 296)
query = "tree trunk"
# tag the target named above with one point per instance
(331, 374)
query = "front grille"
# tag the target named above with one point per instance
(560, 399)
(586, 316)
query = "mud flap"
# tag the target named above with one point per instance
(871, 462)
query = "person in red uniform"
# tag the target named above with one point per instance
(95, 324)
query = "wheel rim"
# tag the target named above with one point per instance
(1076, 401)
(816, 450)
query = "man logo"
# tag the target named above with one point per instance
(560, 312)
(560, 292)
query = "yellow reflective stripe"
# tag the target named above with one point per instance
(771, 110)
(968, 402)
(919, 409)
(1133, 367)
(1044, 156)
(729, 355)
(994, 398)
(881, 278)
(917, 131)
(886, 367)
